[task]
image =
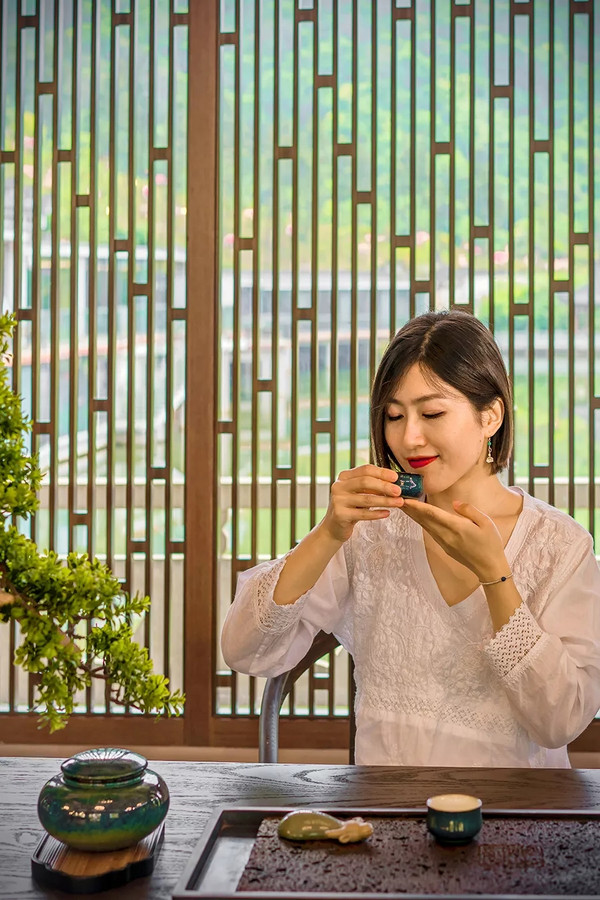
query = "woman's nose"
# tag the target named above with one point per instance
(413, 434)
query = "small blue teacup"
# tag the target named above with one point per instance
(454, 818)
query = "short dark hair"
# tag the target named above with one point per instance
(455, 347)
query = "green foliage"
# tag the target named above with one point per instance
(75, 620)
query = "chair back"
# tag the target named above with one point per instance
(277, 689)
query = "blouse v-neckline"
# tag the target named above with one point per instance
(432, 585)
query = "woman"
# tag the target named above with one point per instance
(473, 617)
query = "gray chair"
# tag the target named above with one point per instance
(277, 689)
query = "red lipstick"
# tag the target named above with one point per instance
(419, 461)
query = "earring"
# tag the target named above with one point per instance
(490, 458)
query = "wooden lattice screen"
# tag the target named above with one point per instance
(93, 256)
(219, 211)
(376, 160)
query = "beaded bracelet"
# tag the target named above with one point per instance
(498, 581)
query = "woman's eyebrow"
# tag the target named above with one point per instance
(422, 399)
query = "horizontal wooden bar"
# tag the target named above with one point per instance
(24, 315)
(138, 289)
(160, 153)
(64, 156)
(121, 245)
(223, 679)
(45, 87)
(344, 149)
(581, 6)
(521, 309)
(460, 11)
(588, 741)
(498, 91)
(264, 384)
(82, 199)
(581, 237)
(405, 12)
(285, 152)
(27, 21)
(158, 473)
(228, 37)
(96, 730)
(324, 81)
(294, 732)
(7, 156)
(225, 427)
(402, 240)
(521, 9)
(100, 405)
(121, 19)
(364, 196)
(422, 287)
(480, 231)
(79, 518)
(245, 243)
(306, 15)
(177, 313)
(561, 285)
(303, 313)
(181, 18)
(541, 146)
(441, 148)
(138, 547)
(175, 547)
(43, 428)
(322, 427)
(283, 473)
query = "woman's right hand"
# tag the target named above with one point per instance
(354, 495)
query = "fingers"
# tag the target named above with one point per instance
(437, 522)
(367, 484)
(363, 493)
(369, 471)
(468, 511)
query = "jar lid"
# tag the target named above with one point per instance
(103, 765)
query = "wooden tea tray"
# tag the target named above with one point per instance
(220, 858)
(55, 865)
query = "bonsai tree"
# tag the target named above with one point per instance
(75, 620)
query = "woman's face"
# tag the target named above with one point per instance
(432, 429)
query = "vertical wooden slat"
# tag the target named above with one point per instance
(333, 347)
(200, 494)
(571, 288)
(593, 25)
(551, 358)
(530, 251)
(354, 241)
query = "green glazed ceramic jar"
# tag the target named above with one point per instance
(103, 799)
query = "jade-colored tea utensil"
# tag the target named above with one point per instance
(412, 485)
(454, 818)
(314, 825)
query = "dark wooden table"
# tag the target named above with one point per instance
(198, 788)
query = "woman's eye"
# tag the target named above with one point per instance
(432, 415)
(394, 418)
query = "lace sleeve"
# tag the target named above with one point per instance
(269, 616)
(514, 641)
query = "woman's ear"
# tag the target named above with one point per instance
(494, 416)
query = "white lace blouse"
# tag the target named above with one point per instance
(435, 685)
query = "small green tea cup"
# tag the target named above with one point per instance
(454, 818)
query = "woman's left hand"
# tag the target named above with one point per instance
(470, 537)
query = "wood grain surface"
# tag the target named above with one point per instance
(197, 788)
